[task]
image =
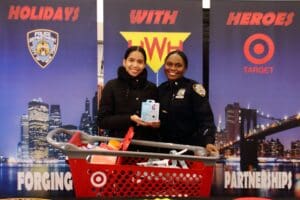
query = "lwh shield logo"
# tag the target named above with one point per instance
(42, 45)
(156, 44)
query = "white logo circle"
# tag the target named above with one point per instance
(98, 179)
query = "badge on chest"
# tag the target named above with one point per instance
(180, 93)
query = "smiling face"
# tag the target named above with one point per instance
(174, 67)
(134, 63)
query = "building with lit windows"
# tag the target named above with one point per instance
(38, 126)
(23, 150)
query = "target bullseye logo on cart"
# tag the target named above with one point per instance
(98, 179)
(259, 48)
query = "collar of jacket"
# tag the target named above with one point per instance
(133, 82)
(176, 83)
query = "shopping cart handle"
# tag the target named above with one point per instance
(85, 138)
(56, 144)
(64, 146)
(73, 150)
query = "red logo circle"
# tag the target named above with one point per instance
(98, 179)
(258, 43)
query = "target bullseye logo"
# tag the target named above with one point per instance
(259, 48)
(98, 179)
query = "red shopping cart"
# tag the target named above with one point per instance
(135, 174)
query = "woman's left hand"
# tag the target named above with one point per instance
(140, 122)
(155, 124)
(151, 124)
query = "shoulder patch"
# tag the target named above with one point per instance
(199, 89)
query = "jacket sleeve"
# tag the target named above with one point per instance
(204, 117)
(107, 118)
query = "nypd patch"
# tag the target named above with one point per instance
(42, 45)
(199, 89)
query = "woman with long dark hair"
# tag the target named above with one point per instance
(120, 104)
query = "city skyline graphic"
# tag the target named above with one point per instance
(87, 121)
(265, 121)
(41, 118)
(248, 128)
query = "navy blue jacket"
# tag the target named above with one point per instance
(185, 113)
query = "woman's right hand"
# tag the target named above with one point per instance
(212, 150)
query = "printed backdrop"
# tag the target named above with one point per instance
(48, 79)
(158, 26)
(254, 84)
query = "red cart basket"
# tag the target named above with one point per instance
(133, 175)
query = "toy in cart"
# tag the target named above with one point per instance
(102, 167)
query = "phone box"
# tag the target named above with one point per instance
(150, 111)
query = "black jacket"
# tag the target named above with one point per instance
(121, 98)
(186, 116)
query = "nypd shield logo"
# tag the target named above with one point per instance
(199, 89)
(42, 45)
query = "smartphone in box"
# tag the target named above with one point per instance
(150, 111)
